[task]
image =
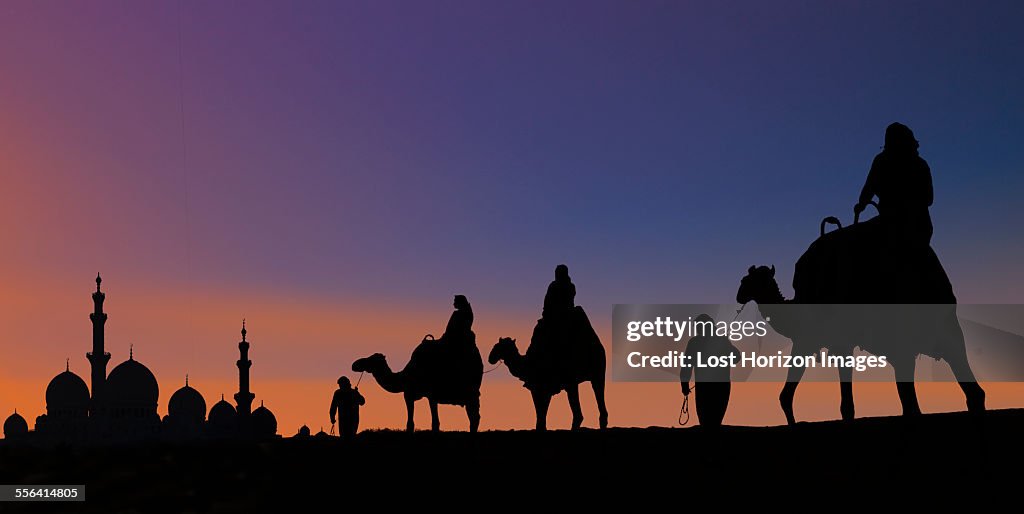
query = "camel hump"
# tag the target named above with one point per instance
(452, 370)
(585, 333)
(564, 352)
(862, 264)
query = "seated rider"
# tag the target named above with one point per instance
(460, 324)
(561, 296)
(551, 345)
(902, 181)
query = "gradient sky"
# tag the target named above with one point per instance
(345, 167)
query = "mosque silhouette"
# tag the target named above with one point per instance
(123, 404)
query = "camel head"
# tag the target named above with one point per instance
(370, 364)
(504, 347)
(759, 283)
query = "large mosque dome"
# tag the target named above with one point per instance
(67, 394)
(132, 386)
(186, 404)
(223, 419)
(264, 423)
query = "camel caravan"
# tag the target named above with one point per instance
(883, 261)
(565, 350)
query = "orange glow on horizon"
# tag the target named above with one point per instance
(299, 347)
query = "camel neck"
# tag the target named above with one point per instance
(514, 361)
(773, 295)
(388, 379)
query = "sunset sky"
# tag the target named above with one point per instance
(335, 171)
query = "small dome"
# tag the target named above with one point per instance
(186, 404)
(222, 414)
(67, 391)
(303, 431)
(263, 421)
(132, 385)
(15, 426)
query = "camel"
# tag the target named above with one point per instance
(440, 371)
(547, 375)
(942, 336)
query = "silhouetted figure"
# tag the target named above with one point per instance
(345, 405)
(940, 337)
(715, 383)
(460, 324)
(902, 181)
(885, 260)
(561, 295)
(545, 380)
(564, 351)
(448, 370)
(551, 348)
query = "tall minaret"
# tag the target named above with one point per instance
(243, 398)
(98, 357)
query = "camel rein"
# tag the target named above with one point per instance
(685, 409)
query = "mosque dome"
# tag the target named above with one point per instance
(263, 422)
(15, 426)
(186, 404)
(223, 414)
(132, 386)
(67, 392)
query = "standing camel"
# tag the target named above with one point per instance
(940, 336)
(440, 371)
(546, 374)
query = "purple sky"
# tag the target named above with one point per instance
(345, 167)
(408, 151)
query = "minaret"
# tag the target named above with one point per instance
(98, 357)
(243, 398)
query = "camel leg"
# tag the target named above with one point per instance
(473, 411)
(410, 409)
(540, 403)
(435, 421)
(905, 387)
(572, 392)
(598, 385)
(846, 393)
(789, 391)
(973, 392)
